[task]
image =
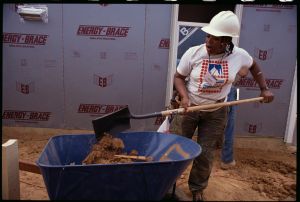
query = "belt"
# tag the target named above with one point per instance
(213, 109)
(221, 100)
(217, 101)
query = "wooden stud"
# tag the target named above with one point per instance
(10, 170)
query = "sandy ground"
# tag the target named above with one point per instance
(265, 170)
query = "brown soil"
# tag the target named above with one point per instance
(262, 172)
(110, 150)
(257, 176)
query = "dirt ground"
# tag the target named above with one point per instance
(265, 169)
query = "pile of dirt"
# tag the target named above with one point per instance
(109, 150)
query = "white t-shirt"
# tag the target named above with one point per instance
(210, 78)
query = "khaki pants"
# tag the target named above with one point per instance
(211, 126)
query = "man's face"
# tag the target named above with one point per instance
(214, 45)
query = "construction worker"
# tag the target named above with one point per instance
(212, 68)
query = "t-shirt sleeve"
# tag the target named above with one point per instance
(246, 59)
(184, 68)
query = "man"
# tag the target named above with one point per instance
(211, 69)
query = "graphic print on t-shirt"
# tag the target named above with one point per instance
(213, 76)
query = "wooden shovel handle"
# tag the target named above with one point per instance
(144, 158)
(209, 106)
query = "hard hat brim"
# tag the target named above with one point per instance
(216, 33)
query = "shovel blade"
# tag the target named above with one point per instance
(112, 123)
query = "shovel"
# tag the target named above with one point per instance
(118, 121)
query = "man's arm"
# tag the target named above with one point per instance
(260, 80)
(179, 82)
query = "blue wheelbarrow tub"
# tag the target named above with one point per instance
(66, 178)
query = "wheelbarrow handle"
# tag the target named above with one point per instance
(195, 108)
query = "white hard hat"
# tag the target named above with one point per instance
(225, 23)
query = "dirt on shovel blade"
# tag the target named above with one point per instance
(104, 151)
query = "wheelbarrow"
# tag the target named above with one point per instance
(66, 178)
